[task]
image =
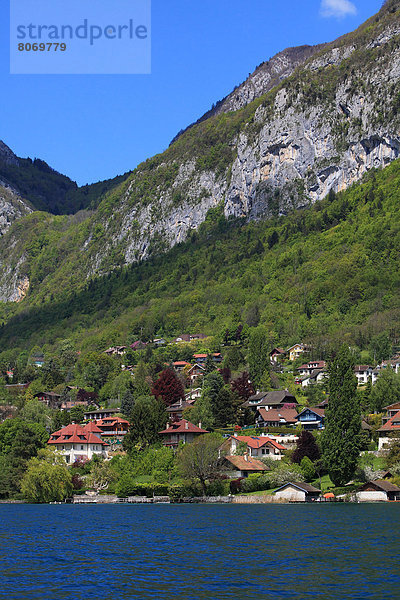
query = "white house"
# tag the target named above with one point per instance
(379, 491)
(298, 492)
(257, 446)
(363, 373)
(78, 443)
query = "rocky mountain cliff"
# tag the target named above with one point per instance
(310, 121)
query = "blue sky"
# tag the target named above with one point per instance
(93, 127)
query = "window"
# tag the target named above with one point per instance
(82, 447)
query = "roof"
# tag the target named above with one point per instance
(182, 426)
(361, 368)
(395, 405)
(180, 363)
(274, 397)
(111, 421)
(246, 463)
(277, 351)
(75, 433)
(92, 428)
(257, 441)
(393, 424)
(318, 411)
(304, 487)
(276, 414)
(382, 484)
(179, 406)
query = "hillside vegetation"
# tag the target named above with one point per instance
(323, 273)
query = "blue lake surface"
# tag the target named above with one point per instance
(109, 552)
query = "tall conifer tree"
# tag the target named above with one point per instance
(341, 439)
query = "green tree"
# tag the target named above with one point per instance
(36, 412)
(258, 357)
(202, 460)
(308, 469)
(341, 437)
(147, 418)
(385, 391)
(101, 476)
(45, 481)
(380, 347)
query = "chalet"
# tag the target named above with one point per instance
(189, 337)
(276, 417)
(75, 442)
(179, 365)
(379, 490)
(202, 358)
(180, 431)
(390, 427)
(113, 427)
(101, 413)
(296, 351)
(276, 355)
(116, 350)
(298, 492)
(393, 363)
(243, 466)
(17, 388)
(192, 396)
(363, 373)
(269, 400)
(37, 360)
(316, 376)
(390, 411)
(257, 446)
(138, 345)
(311, 366)
(196, 371)
(311, 418)
(50, 399)
(175, 411)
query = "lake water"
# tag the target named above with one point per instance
(200, 551)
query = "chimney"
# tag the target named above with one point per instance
(186, 425)
(199, 425)
(246, 456)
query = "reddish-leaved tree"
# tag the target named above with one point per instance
(168, 388)
(243, 386)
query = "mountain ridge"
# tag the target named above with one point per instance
(320, 129)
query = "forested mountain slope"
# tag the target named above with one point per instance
(322, 273)
(333, 119)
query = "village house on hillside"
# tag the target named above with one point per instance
(363, 373)
(189, 337)
(75, 442)
(391, 426)
(296, 351)
(276, 417)
(243, 466)
(180, 431)
(257, 446)
(311, 418)
(270, 400)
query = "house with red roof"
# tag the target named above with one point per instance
(276, 417)
(257, 446)
(179, 365)
(75, 442)
(390, 427)
(243, 466)
(180, 431)
(113, 427)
